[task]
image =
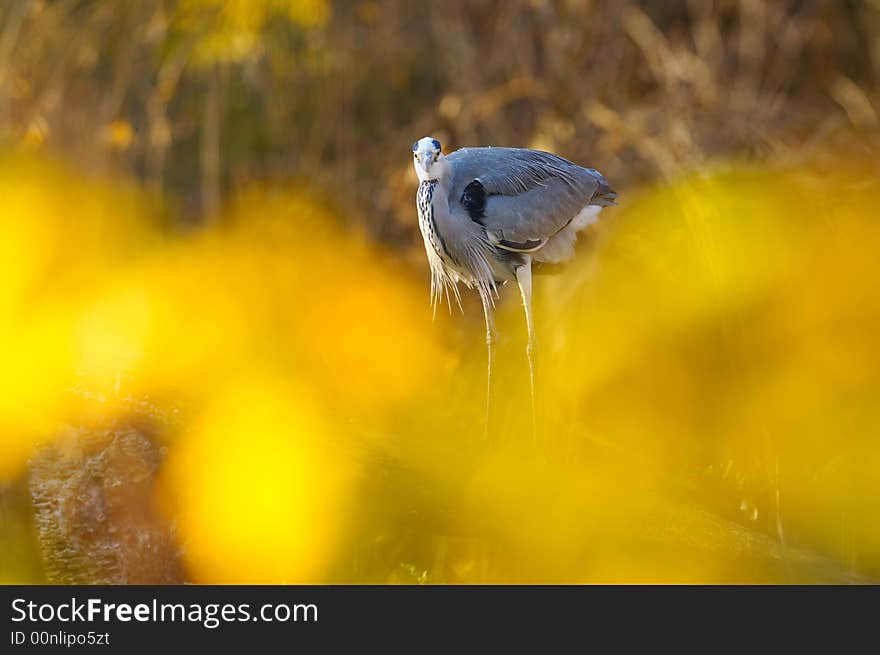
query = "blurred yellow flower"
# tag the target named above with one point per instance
(229, 30)
(119, 134)
(258, 493)
(707, 388)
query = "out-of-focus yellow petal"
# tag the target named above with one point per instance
(256, 490)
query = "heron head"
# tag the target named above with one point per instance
(426, 155)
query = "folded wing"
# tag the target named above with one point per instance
(522, 197)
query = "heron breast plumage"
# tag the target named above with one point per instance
(434, 241)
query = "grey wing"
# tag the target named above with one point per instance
(522, 197)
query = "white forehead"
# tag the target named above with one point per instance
(425, 144)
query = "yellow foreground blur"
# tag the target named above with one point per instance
(708, 385)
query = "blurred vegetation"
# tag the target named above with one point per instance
(219, 359)
(197, 97)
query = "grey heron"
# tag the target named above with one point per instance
(487, 213)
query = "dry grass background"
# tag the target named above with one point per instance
(219, 363)
(199, 97)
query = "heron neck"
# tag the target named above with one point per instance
(439, 199)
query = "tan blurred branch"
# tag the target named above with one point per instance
(855, 102)
(14, 19)
(490, 102)
(209, 143)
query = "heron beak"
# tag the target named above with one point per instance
(426, 159)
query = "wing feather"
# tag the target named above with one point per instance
(523, 197)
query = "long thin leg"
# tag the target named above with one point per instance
(490, 336)
(524, 279)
